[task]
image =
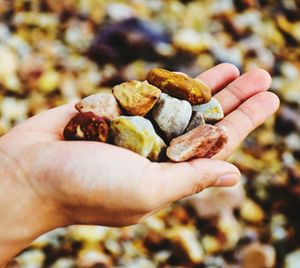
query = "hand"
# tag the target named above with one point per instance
(81, 182)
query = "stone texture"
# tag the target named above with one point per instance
(171, 115)
(138, 135)
(201, 142)
(87, 126)
(180, 86)
(135, 97)
(196, 121)
(211, 111)
(103, 105)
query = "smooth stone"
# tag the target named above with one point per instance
(135, 97)
(251, 212)
(103, 105)
(257, 255)
(211, 111)
(87, 126)
(180, 86)
(196, 121)
(172, 115)
(292, 260)
(138, 135)
(201, 142)
(230, 229)
(187, 243)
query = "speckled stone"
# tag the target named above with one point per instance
(196, 121)
(87, 126)
(135, 97)
(104, 105)
(201, 142)
(180, 86)
(211, 111)
(138, 135)
(172, 115)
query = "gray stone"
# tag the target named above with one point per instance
(196, 121)
(172, 115)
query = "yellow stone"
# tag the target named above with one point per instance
(137, 134)
(136, 97)
(251, 212)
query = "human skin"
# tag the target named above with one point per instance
(46, 182)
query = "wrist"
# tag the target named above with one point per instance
(24, 216)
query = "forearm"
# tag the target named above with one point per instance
(22, 218)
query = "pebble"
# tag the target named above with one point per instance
(230, 230)
(31, 258)
(257, 255)
(211, 111)
(87, 126)
(172, 115)
(136, 97)
(201, 142)
(48, 82)
(196, 121)
(210, 244)
(185, 237)
(213, 201)
(103, 105)
(292, 260)
(180, 86)
(93, 257)
(251, 212)
(138, 135)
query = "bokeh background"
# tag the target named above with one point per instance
(55, 51)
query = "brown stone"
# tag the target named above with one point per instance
(87, 126)
(180, 86)
(103, 105)
(201, 142)
(135, 97)
(257, 256)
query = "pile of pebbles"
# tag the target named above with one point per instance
(53, 52)
(179, 116)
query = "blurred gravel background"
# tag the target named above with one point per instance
(55, 51)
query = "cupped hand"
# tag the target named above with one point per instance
(95, 183)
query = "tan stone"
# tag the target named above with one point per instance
(103, 105)
(135, 97)
(257, 256)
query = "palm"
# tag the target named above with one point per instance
(81, 172)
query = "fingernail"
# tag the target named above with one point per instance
(227, 179)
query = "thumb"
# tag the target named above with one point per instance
(178, 180)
